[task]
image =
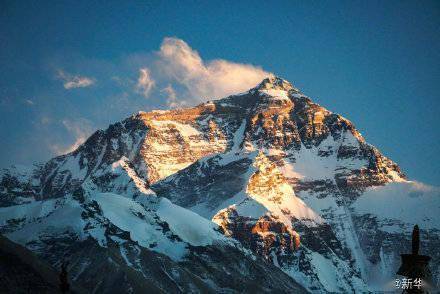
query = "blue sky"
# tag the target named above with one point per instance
(70, 67)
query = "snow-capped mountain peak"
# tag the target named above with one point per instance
(290, 180)
(275, 83)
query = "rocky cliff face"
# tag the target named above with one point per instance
(291, 181)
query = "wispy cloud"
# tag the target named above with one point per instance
(29, 102)
(74, 81)
(145, 82)
(171, 97)
(80, 129)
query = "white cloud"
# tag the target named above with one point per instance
(74, 81)
(205, 80)
(78, 82)
(145, 82)
(175, 66)
(80, 130)
(171, 97)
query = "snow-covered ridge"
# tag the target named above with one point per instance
(156, 224)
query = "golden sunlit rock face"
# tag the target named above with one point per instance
(265, 219)
(274, 116)
(266, 236)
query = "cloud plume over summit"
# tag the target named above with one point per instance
(181, 64)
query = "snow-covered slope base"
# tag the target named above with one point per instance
(151, 244)
(156, 223)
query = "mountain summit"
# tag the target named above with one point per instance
(261, 186)
(275, 83)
